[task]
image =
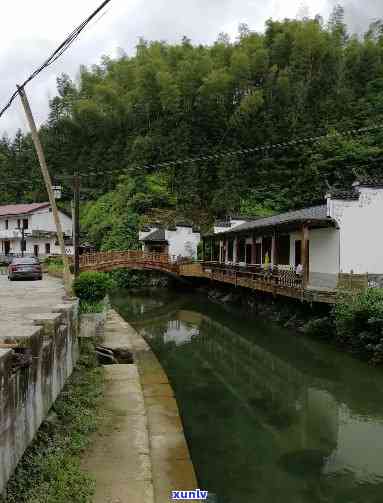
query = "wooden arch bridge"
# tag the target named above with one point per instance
(132, 259)
(273, 281)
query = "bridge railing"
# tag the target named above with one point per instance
(93, 260)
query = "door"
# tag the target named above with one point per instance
(36, 250)
(7, 247)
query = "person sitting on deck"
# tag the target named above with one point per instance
(299, 270)
(267, 265)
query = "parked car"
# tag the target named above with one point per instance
(25, 268)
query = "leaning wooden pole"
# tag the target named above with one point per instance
(48, 185)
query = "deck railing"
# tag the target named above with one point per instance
(280, 276)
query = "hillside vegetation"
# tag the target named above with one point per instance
(299, 78)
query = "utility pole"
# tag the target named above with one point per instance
(76, 235)
(48, 185)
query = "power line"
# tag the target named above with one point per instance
(264, 148)
(64, 46)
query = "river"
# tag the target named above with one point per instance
(269, 415)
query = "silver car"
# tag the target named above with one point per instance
(25, 268)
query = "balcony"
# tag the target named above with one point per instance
(13, 234)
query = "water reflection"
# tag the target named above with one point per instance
(269, 416)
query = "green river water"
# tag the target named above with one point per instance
(269, 415)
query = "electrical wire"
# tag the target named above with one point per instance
(265, 148)
(63, 47)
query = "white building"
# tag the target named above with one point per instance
(179, 241)
(341, 236)
(36, 220)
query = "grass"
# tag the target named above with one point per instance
(50, 471)
(91, 307)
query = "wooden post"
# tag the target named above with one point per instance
(48, 185)
(274, 248)
(305, 255)
(253, 250)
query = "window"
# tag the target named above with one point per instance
(6, 225)
(23, 245)
(18, 223)
(47, 248)
(25, 223)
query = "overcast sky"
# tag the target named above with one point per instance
(32, 29)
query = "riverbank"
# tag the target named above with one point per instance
(139, 453)
(354, 324)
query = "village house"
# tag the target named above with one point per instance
(179, 241)
(36, 222)
(316, 244)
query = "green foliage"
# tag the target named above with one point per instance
(87, 307)
(49, 471)
(172, 101)
(359, 323)
(92, 286)
(127, 278)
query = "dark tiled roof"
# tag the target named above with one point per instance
(318, 213)
(156, 235)
(369, 181)
(21, 209)
(344, 194)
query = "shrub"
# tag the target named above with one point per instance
(359, 322)
(320, 327)
(127, 278)
(91, 307)
(92, 286)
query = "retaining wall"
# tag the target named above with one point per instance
(32, 374)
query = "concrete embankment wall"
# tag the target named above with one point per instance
(32, 374)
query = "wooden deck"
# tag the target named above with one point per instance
(276, 281)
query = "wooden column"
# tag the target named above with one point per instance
(253, 250)
(305, 255)
(274, 250)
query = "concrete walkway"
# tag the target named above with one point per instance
(22, 301)
(139, 454)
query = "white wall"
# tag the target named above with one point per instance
(324, 250)
(361, 243)
(30, 244)
(43, 220)
(183, 242)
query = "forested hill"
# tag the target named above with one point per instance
(299, 78)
